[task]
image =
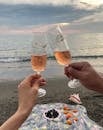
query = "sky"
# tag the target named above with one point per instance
(26, 16)
(53, 2)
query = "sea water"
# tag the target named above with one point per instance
(15, 52)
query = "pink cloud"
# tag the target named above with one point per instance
(23, 31)
(5, 30)
(72, 31)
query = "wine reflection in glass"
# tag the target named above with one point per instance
(39, 56)
(61, 50)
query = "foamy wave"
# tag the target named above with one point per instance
(14, 59)
(88, 56)
(25, 59)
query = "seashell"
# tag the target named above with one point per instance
(75, 98)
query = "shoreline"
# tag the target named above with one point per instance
(57, 91)
(17, 71)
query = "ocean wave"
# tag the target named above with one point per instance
(25, 59)
(14, 59)
(88, 56)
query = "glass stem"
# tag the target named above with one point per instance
(38, 72)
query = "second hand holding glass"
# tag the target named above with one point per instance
(39, 57)
(61, 50)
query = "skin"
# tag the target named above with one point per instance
(27, 97)
(86, 74)
(28, 91)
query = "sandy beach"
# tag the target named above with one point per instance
(57, 91)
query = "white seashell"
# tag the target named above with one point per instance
(75, 98)
(74, 83)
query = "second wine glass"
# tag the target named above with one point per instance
(39, 56)
(61, 50)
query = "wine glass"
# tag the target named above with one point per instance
(61, 50)
(39, 56)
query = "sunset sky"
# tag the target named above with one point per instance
(54, 2)
(24, 16)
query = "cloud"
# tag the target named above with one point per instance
(93, 2)
(7, 30)
(92, 23)
(86, 4)
(22, 15)
(19, 19)
(37, 2)
(96, 17)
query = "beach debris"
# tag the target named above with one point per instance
(75, 98)
(74, 83)
(74, 111)
(66, 108)
(75, 119)
(70, 115)
(52, 113)
(69, 122)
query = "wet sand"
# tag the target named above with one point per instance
(57, 91)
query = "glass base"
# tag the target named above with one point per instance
(41, 92)
(73, 83)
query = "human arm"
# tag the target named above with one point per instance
(15, 121)
(86, 74)
(27, 96)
